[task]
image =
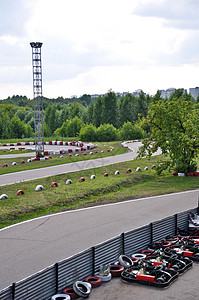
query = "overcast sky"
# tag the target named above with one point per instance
(91, 46)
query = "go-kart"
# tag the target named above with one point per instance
(146, 273)
(175, 261)
(185, 250)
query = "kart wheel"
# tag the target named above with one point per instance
(171, 271)
(160, 280)
(175, 267)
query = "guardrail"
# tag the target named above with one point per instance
(44, 284)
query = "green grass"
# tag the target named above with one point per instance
(99, 191)
(56, 160)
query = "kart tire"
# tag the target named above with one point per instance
(160, 280)
(139, 256)
(60, 297)
(175, 267)
(93, 280)
(116, 270)
(146, 252)
(70, 291)
(125, 261)
(81, 289)
(104, 278)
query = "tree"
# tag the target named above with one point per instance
(128, 110)
(175, 129)
(109, 109)
(97, 112)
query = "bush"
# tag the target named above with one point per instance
(129, 131)
(106, 133)
(88, 133)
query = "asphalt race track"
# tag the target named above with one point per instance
(30, 246)
(67, 168)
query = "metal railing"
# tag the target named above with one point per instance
(44, 284)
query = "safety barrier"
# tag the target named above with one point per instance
(44, 284)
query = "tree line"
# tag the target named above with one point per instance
(107, 117)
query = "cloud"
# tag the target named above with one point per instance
(181, 14)
(13, 16)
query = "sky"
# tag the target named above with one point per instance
(92, 46)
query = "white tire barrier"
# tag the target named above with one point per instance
(29, 160)
(76, 154)
(14, 163)
(60, 297)
(68, 181)
(104, 278)
(146, 168)
(125, 261)
(39, 188)
(181, 174)
(42, 158)
(102, 151)
(117, 172)
(92, 177)
(91, 152)
(138, 256)
(81, 289)
(3, 196)
(138, 169)
(61, 156)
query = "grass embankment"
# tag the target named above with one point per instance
(99, 191)
(56, 160)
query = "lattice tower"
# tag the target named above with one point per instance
(38, 98)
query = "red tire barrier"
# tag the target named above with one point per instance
(5, 165)
(69, 150)
(70, 292)
(116, 270)
(153, 166)
(18, 144)
(54, 184)
(146, 252)
(195, 173)
(165, 244)
(108, 150)
(93, 280)
(189, 174)
(84, 153)
(20, 192)
(175, 173)
(105, 174)
(22, 162)
(128, 171)
(81, 179)
(69, 155)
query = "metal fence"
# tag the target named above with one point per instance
(44, 284)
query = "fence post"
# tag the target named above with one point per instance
(198, 206)
(151, 232)
(123, 244)
(176, 224)
(93, 258)
(13, 290)
(57, 278)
